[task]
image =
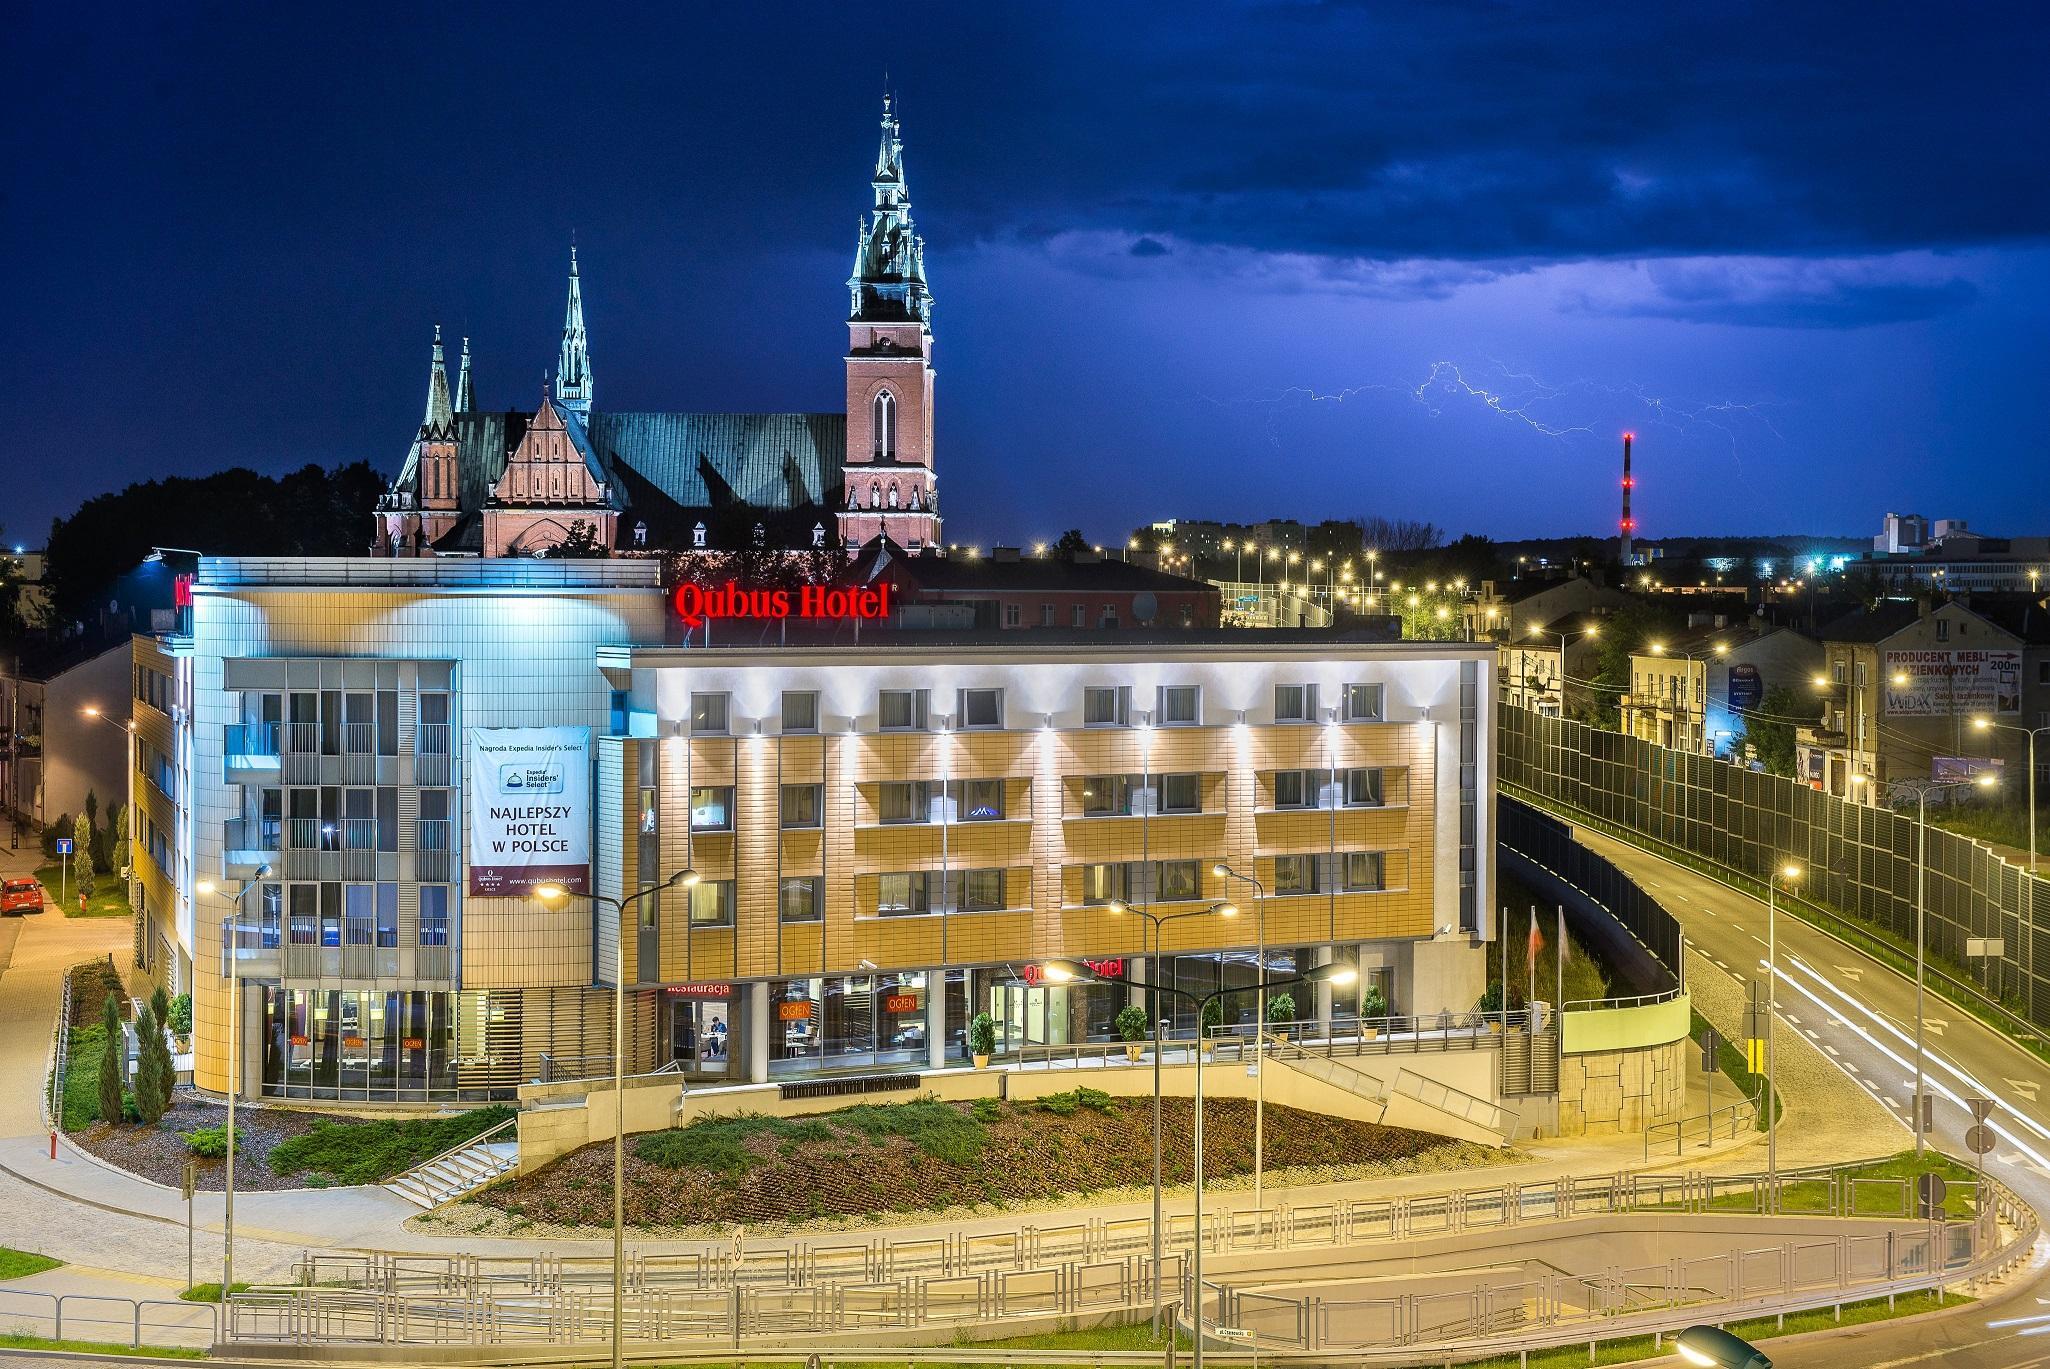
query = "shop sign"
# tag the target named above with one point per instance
(301, 1040)
(799, 1011)
(902, 1002)
(414, 1043)
(696, 604)
(699, 990)
(1113, 968)
(353, 1042)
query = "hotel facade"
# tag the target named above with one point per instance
(891, 830)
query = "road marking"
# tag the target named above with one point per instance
(2027, 1088)
(1850, 972)
(1936, 1024)
(1832, 1050)
(1791, 1018)
(1756, 937)
(1893, 1102)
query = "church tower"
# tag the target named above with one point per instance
(889, 483)
(425, 501)
(573, 366)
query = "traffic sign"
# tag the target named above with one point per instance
(65, 846)
(1754, 1056)
(1982, 1108)
(1979, 1139)
(1994, 946)
(1932, 1192)
(1711, 1044)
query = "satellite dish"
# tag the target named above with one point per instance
(1145, 607)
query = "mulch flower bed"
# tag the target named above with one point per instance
(160, 1153)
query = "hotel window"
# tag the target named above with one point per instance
(1046, 615)
(1295, 703)
(711, 903)
(981, 891)
(1299, 788)
(980, 708)
(800, 710)
(1106, 796)
(305, 914)
(1177, 880)
(708, 714)
(798, 899)
(1104, 883)
(431, 738)
(1363, 703)
(904, 801)
(388, 915)
(1178, 706)
(650, 810)
(1364, 787)
(330, 915)
(1080, 616)
(1365, 871)
(434, 915)
(1014, 616)
(1295, 874)
(978, 800)
(1107, 706)
(901, 710)
(271, 918)
(903, 895)
(1181, 793)
(802, 804)
(711, 809)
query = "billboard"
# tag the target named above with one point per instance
(530, 809)
(1938, 683)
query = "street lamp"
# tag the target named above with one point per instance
(555, 894)
(1223, 871)
(1156, 921)
(1711, 1347)
(1921, 790)
(2029, 915)
(1789, 872)
(234, 949)
(1068, 971)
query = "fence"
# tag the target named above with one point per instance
(96, 1317)
(1548, 843)
(1701, 1130)
(1859, 860)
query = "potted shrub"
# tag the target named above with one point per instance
(1373, 1006)
(1213, 1018)
(1131, 1025)
(1281, 1012)
(982, 1039)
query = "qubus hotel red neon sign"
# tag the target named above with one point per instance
(697, 604)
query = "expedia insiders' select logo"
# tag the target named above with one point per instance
(530, 779)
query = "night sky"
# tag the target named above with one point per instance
(1265, 260)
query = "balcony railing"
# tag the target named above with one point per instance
(302, 739)
(241, 740)
(431, 739)
(252, 835)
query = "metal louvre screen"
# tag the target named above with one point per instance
(1546, 840)
(1860, 861)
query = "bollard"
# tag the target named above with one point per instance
(53, 1145)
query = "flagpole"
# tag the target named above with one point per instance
(1559, 964)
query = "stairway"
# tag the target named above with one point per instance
(1421, 1103)
(459, 1172)
(1326, 1068)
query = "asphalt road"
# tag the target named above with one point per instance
(1861, 1014)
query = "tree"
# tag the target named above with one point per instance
(1070, 544)
(149, 1075)
(580, 543)
(1387, 535)
(167, 1069)
(119, 842)
(1768, 731)
(82, 844)
(1623, 632)
(113, 1059)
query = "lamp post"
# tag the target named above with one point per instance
(1790, 873)
(553, 894)
(1592, 630)
(1064, 971)
(1223, 871)
(1690, 657)
(233, 950)
(1156, 922)
(2029, 915)
(1921, 789)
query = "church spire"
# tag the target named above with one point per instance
(888, 284)
(439, 414)
(573, 368)
(465, 401)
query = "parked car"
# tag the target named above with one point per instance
(21, 896)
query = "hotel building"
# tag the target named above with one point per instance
(892, 830)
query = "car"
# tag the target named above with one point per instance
(21, 896)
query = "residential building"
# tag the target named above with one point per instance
(1543, 664)
(379, 762)
(1697, 690)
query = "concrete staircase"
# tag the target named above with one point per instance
(461, 1170)
(1413, 1100)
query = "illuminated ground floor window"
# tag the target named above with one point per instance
(367, 1044)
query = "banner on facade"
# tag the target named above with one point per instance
(1938, 683)
(530, 809)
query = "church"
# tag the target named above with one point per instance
(573, 477)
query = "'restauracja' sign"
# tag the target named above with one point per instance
(697, 603)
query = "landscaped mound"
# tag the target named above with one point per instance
(869, 1160)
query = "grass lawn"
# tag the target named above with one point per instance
(1729, 1059)
(19, 1264)
(211, 1292)
(82, 1076)
(372, 1152)
(94, 1347)
(109, 899)
(1136, 1337)
(1875, 1200)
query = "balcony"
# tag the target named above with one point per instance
(1821, 738)
(433, 859)
(247, 843)
(250, 753)
(430, 753)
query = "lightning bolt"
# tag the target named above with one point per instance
(1447, 376)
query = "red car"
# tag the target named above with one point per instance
(21, 896)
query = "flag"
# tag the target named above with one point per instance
(1537, 941)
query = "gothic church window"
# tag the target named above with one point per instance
(883, 426)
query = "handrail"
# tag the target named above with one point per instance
(60, 1048)
(1640, 1000)
(1748, 1107)
(479, 1139)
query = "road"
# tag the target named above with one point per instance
(1861, 1014)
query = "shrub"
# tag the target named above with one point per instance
(87, 885)
(720, 1144)
(1213, 1014)
(1067, 1104)
(1373, 1003)
(211, 1143)
(154, 1042)
(986, 1110)
(1131, 1023)
(59, 828)
(372, 1152)
(112, 1060)
(82, 845)
(1281, 1008)
(180, 1016)
(982, 1035)
(150, 1094)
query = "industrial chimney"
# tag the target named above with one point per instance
(1628, 527)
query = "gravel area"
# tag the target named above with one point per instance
(160, 1153)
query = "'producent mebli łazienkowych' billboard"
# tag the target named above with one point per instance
(530, 809)
(1933, 684)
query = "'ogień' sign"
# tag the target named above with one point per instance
(696, 604)
(530, 809)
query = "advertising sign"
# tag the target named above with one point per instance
(1747, 689)
(1936, 684)
(696, 603)
(530, 809)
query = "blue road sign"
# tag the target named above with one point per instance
(65, 846)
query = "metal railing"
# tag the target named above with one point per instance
(1454, 1102)
(249, 739)
(103, 1318)
(1724, 1123)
